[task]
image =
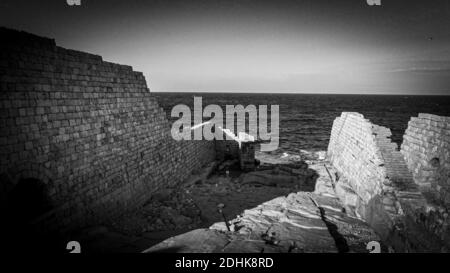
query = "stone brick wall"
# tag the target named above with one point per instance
(247, 156)
(90, 130)
(353, 152)
(426, 148)
(374, 175)
(226, 149)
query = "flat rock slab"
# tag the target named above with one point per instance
(293, 222)
(354, 231)
(299, 222)
(195, 241)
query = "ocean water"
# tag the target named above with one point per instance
(306, 119)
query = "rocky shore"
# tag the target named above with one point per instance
(305, 215)
(357, 192)
(286, 205)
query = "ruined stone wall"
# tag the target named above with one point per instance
(353, 152)
(88, 129)
(226, 149)
(426, 148)
(375, 181)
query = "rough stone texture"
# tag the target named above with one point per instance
(88, 129)
(238, 146)
(247, 155)
(296, 222)
(301, 222)
(354, 152)
(226, 149)
(426, 148)
(372, 170)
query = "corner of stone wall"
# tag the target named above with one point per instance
(426, 149)
(102, 138)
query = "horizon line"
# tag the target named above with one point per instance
(300, 93)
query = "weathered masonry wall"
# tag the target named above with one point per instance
(353, 152)
(375, 182)
(226, 149)
(426, 148)
(88, 129)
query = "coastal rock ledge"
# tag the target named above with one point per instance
(299, 222)
(366, 189)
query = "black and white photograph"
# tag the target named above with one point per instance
(250, 127)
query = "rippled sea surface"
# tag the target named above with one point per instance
(306, 119)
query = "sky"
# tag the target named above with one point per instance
(302, 46)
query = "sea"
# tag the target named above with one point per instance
(306, 119)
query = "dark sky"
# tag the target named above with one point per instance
(400, 47)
